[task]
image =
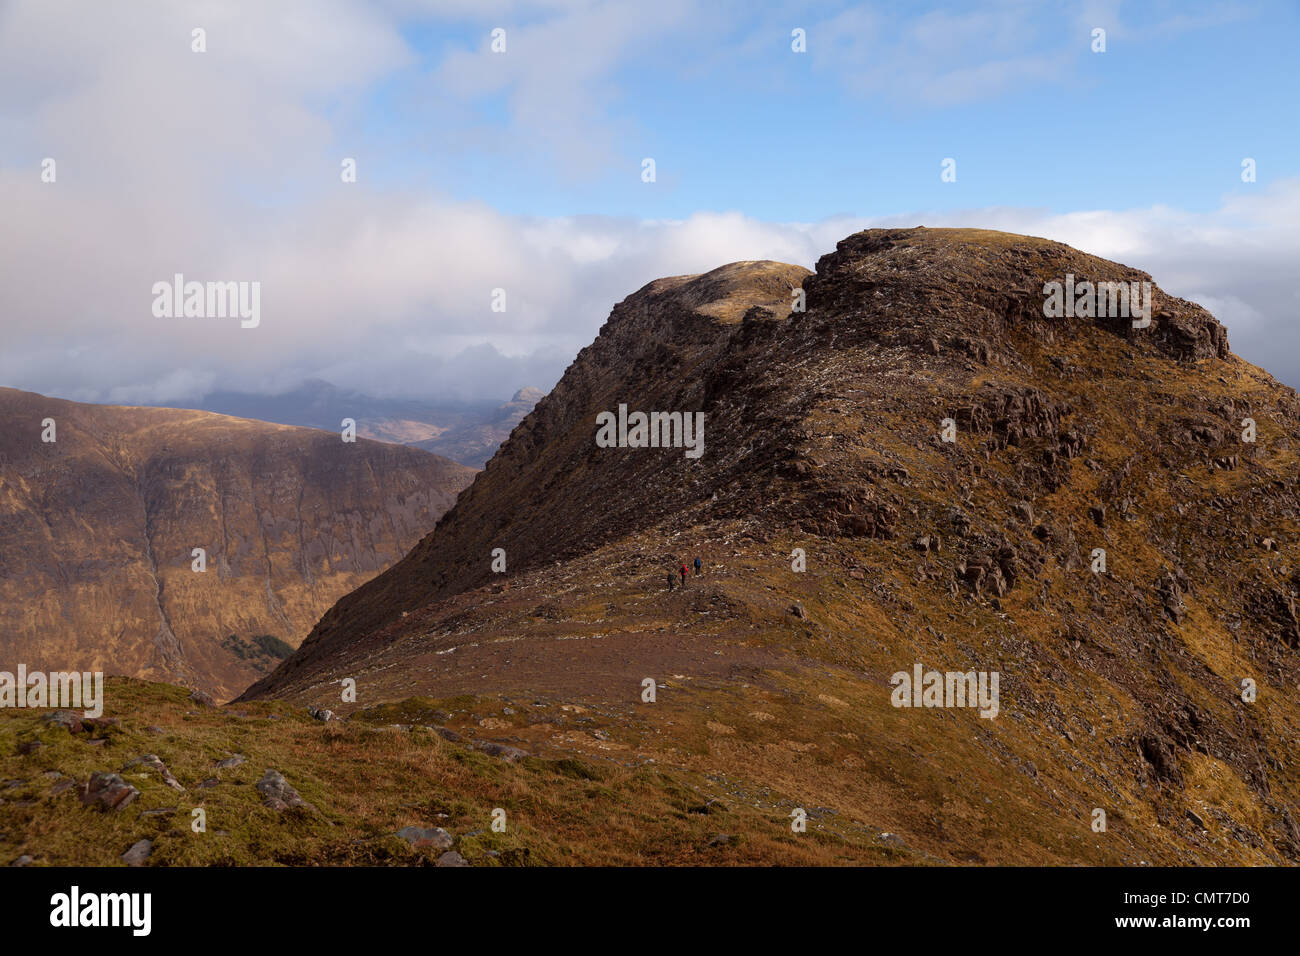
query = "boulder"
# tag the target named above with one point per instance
(278, 794)
(420, 837)
(138, 854)
(66, 719)
(504, 751)
(108, 791)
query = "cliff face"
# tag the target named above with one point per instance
(97, 531)
(1101, 532)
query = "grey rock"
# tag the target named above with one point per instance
(435, 837)
(138, 854)
(278, 794)
(504, 751)
(451, 858)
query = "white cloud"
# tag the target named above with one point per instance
(378, 291)
(167, 159)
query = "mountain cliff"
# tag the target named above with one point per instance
(98, 529)
(1112, 530)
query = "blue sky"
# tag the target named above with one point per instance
(522, 170)
(736, 120)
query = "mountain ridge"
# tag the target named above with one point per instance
(1122, 690)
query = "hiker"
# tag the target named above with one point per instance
(683, 575)
(697, 566)
(672, 578)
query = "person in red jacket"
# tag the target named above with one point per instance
(683, 574)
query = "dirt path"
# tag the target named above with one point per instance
(608, 667)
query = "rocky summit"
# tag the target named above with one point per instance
(910, 473)
(102, 508)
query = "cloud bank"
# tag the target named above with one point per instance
(225, 166)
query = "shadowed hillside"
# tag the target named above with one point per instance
(97, 531)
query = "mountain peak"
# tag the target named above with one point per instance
(808, 414)
(527, 394)
(920, 470)
(962, 282)
(695, 307)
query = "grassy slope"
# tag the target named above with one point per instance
(369, 779)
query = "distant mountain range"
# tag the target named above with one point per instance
(466, 432)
